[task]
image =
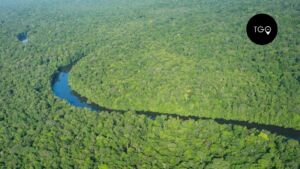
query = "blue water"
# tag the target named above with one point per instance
(23, 37)
(25, 41)
(62, 90)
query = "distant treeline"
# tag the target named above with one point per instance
(209, 73)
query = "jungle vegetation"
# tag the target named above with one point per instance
(194, 58)
(185, 57)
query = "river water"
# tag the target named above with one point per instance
(62, 90)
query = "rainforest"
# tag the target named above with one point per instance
(148, 84)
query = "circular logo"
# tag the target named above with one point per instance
(262, 29)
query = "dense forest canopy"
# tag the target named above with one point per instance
(186, 57)
(194, 58)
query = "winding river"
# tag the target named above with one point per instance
(61, 89)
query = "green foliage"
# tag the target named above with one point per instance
(113, 140)
(38, 130)
(194, 58)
